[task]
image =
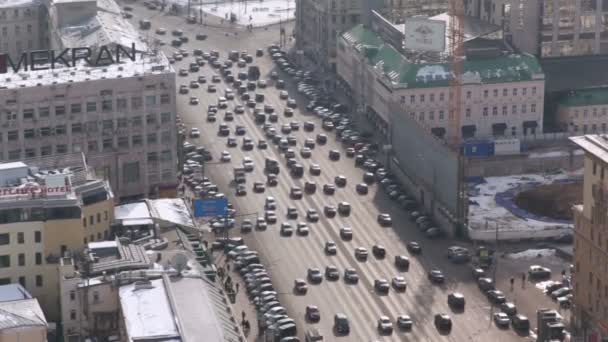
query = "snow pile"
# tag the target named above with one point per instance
(532, 254)
(254, 13)
(173, 210)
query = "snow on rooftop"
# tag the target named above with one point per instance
(433, 71)
(137, 210)
(13, 165)
(18, 3)
(147, 311)
(256, 13)
(11, 292)
(102, 244)
(173, 210)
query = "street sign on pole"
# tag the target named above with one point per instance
(210, 207)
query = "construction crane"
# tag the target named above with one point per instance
(456, 56)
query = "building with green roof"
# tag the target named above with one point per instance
(502, 91)
(584, 111)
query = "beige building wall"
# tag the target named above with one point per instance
(583, 119)
(29, 334)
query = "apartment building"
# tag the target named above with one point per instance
(590, 276)
(22, 318)
(122, 116)
(549, 28)
(502, 95)
(584, 111)
(23, 26)
(47, 209)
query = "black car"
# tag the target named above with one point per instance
(456, 300)
(329, 189)
(321, 139)
(436, 276)
(379, 251)
(443, 322)
(496, 296)
(402, 262)
(334, 155)
(340, 181)
(362, 189)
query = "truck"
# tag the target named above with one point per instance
(239, 175)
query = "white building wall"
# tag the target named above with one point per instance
(20, 27)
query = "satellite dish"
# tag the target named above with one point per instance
(179, 262)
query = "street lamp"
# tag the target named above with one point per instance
(434, 181)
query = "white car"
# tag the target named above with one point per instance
(195, 132)
(248, 164)
(226, 158)
(161, 30)
(193, 101)
(284, 95)
(501, 319)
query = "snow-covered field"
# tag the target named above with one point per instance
(256, 13)
(485, 214)
(532, 254)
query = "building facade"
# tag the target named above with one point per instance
(584, 111)
(590, 276)
(23, 26)
(122, 116)
(38, 227)
(549, 28)
(502, 96)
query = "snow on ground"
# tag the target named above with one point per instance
(256, 13)
(554, 154)
(532, 254)
(173, 210)
(484, 212)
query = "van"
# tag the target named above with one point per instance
(341, 324)
(521, 323)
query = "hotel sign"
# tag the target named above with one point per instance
(50, 59)
(30, 190)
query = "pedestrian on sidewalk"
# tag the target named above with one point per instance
(512, 281)
(227, 267)
(243, 314)
(523, 280)
(237, 288)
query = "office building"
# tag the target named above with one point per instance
(21, 318)
(49, 209)
(590, 276)
(23, 26)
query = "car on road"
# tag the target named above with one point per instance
(292, 213)
(202, 79)
(330, 248)
(332, 273)
(361, 253)
(225, 157)
(334, 155)
(258, 187)
(404, 322)
(340, 180)
(313, 314)
(271, 216)
(310, 187)
(309, 126)
(341, 324)
(456, 301)
(260, 223)
(350, 276)
(241, 190)
(300, 286)
(262, 144)
(321, 139)
(183, 89)
(314, 275)
(344, 208)
(246, 226)
(402, 262)
(443, 322)
(346, 233)
(539, 272)
(362, 189)
(286, 229)
(329, 189)
(485, 284)
(248, 164)
(385, 219)
(508, 308)
(329, 211)
(315, 169)
(283, 95)
(295, 193)
(288, 112)
(381, 286)
(399, 283)
(520, 323)
(305, 152)
(195, 132)
(379, 251)
(496, 296)
(502, 320)
(302, 229)
(211, 88)
(436, 276)
(231, 142)
(312, 215)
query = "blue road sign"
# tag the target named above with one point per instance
(210, 207)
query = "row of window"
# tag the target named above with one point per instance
(589, 128)
(17, 30)
(486, 110)
(5, 238)
(5, 260)
(92, 219)
(6, 281)
(38, 214)
(105, 106)
(594, 112)
(16, 12)
(89, 127)
(422, 98)
(18, 46)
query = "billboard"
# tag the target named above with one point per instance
(210, 207)
(423, 34)
(387, 31)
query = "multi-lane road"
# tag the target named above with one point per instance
(288, 258)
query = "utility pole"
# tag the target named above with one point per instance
(495, 268)
(188, 9)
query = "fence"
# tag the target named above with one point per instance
(514, 165)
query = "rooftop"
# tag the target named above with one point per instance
(587, 97)
(403, 73)
(580, 72)
(165, 211)
(596, 144)
(18, 308)
(18, 3)
(114, 257)
(12, 292)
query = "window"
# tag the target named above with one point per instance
(135, 102)
(45, 131)
(166, 155)
(432, 97)
(92, 146)
(165, 117)
(92, 126)
(60, 130)
(75, 108)
(585, 113)
(468, 112)
(431, 115)
(108, 144)
(22, 281)
(514, 91)
(37, 236)
(485, 111)
(152, 156)
(121, 123)
(76, 128)
(524, 91)
(95, 297)
(441, 115)
(165, 137)
(61, 148)
(38, 258)
(91, 220)
(524, 108)
(73, 314)
(495, 92)
(576, 113)
(84, 222)
(468, 94)
(91, 107)
(533, 90)
(46, 150)
(412, 98)
(150, 101)
(29, 134)
(14, 155)
(5, 239)
(421, 98)
(17, 27)
(486, 93)
(441, 97)
(59, 110)
(20, 238)
(514, 109)
(533, 108)
(130, 174)
(136, 121)
(504, 110)
(105, 215)
(136, 140)
(13, 135)
(107, 124)
(98, 217)
(21, 259)
(494, 110)
(28, 113)
(152, 138)
(123, 142)
(5, 261)
(106, 106)
(165, 99)
(151, 119)
(121, 104)
(39, 281)
(30, 152)
(421, 116)
(44, 112)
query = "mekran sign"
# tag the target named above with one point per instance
(49, 59)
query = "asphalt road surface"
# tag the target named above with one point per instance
(288, 258)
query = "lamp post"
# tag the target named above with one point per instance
(434, 181)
